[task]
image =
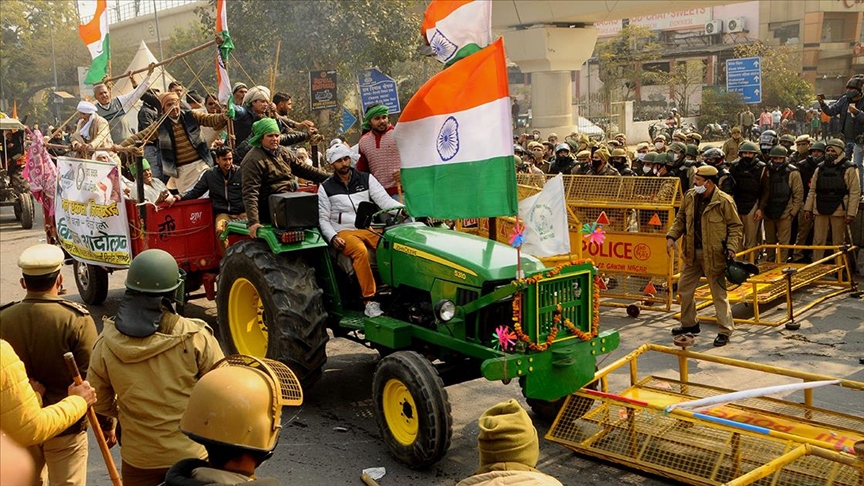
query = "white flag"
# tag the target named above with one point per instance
(545, 219)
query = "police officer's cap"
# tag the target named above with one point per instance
(707, 171)
(619, 152)
(803, 139)
(836, 142)
(584, 154)
(41, 259)
(736, 129)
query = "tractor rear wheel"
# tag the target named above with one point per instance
(270, 306)
(92, 282)
(25, 201)
(412, 409)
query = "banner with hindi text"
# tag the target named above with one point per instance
(92, 225)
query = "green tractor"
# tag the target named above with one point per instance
(454, 311)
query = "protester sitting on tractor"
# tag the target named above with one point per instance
(225, 184)
(92, 133)
(154, 189)
(338, 199)
(269, 169)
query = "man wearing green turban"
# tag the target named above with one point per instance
(268, 169)
(379, 155)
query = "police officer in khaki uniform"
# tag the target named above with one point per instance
(712, 231)
(834, 194)
(41, 328)
(785, 199)
(239, 426)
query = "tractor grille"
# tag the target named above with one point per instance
(573, 293)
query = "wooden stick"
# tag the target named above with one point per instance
(94, 423)
(162, 63)
(275, 68)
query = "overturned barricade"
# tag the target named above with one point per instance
(731, 438)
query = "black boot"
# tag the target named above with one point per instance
(685, 330)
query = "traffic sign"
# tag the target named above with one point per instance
(348, 120)
(745, 76)
(377, 87)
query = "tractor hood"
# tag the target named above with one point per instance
(417, 251)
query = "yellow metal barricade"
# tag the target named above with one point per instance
(756, 440)
(778, 281)
(639, 211)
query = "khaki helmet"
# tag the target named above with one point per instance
(153, 271)
(619, 152)
(239, 403)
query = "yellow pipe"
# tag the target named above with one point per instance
(770, 467)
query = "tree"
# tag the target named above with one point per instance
(324, 34)
(720, 106)
(782, 84)
(683, 81)
(26, 66)
(621, 59)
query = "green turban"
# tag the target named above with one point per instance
(260, 128)
(372, 113)
(133, 167)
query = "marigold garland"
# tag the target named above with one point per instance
(556, 321)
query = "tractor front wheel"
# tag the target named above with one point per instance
(270, 306)
(412, 409)
(28, 211)
(92, 282)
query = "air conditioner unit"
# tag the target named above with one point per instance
(714, 27)
(735, 25)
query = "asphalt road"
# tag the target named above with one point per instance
(334, 436)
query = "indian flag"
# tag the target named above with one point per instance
(222, 54)
(455, 29)
(95, 37)
(456, 142)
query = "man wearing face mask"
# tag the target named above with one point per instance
(678, 151)
(807, 167)
(717, 159)
(618, 161)
(802, 149)
(712, 233)
(834, 194)
(730, 147)
(535, 151)
(600, 165)
(785, 198)
(850, 107)
(639, 156)
(751, 190)
(660, 143)
(691, 163)
(583, 163)
(563, 163)
(647, 161)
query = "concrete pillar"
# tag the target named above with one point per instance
(551, 101)
(550, 53)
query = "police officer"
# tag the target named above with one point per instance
(712, 233)
(802, 149)
(787, 141)
(647, 162)
(691, 162)
(717, 159)
(678, 152)
(660, 143)
(600, 164)
(583, 163)
(41, 328)
(767, 140)
(833, 198)
(785, 199)
(144, 366)
(563, 163)
(730, 146)
(618, 161)
(850, 109)
(807, 167)
(238, 425)
(751, 190)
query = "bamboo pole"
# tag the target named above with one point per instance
(165, 62)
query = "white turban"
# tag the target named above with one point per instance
(340, 151)
(256, 93)
(86, 107)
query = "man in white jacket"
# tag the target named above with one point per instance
(338, 199)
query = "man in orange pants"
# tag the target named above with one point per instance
(338, 198)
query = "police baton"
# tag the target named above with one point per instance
(94, 423)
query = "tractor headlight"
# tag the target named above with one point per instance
(445, 310)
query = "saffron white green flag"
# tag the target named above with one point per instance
(545, 219)
(456, 142)
(455, 29)
(95, 37)
(222, 54)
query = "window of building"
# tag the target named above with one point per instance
(832, 30)
(786, 32)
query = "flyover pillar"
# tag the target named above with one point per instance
(550, 54)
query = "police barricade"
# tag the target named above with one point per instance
(635, 213)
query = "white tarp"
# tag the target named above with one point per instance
(92, 224)
(161, 79)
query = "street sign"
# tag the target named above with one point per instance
(745, 76)
(322, 90)
(348, 120)
(377, 87)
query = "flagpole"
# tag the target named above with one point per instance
(159, 41)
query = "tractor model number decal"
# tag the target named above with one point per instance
(433, 258)
(458, 274)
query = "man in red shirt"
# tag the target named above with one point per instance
(379, 155)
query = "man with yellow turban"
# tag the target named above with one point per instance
(268, 169)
